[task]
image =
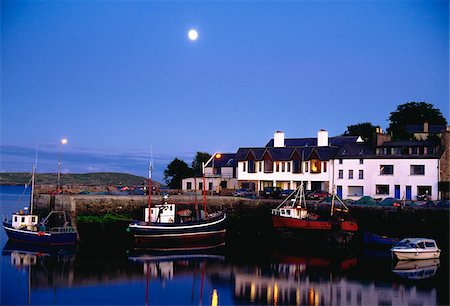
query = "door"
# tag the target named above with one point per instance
(408, 192)
(397, 192)
(339, 191)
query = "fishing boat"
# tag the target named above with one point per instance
(25, 227)
(172, 226)
(292, 215)
(416, 248)
(372, 239)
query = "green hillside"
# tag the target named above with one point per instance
(86, 179)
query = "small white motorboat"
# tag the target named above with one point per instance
(416, 248)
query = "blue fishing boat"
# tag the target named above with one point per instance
(25, 227)
(379, 240)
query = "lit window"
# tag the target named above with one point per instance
(316, 166)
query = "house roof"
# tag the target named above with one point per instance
(225, 160)
(312, 142)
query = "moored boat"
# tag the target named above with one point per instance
(293, 215)
(416, 248)
(379, 240)
(171, 226)
(55, 229)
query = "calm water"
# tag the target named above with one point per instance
(239, 274)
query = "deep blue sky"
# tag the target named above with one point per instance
(121, 79)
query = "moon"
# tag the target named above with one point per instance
(193, 34)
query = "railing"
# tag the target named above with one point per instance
(63, 229)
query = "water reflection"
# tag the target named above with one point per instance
(216, 277)
(416, 269)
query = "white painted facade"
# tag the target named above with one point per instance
(285, 179)
(401, 177)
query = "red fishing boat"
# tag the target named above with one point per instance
(292, 215)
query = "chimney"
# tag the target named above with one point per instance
(425, 127)
(322, 138)
(278, 139)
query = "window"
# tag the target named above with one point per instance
(356, 191)
(33, 219)
(386, 169)
(251, 166)
(188, 185)
(283, 167)
(382, 189)
(15, 218)
(361, 174)
(361, 161)
(340, 161)
(417, 170)
(296, 166)
(316, 166)
(288, 166)
(277, 167)
(210, 186)
(341, 174)
(200, 186)
(22, 219)
(268, 166)
(306, 166)
(424, 190)
(244, 166)
(350, 174)
(260, 164)
(324, 166)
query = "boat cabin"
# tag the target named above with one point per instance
(297, 212)
(417, 243)
(21, 220)
(164, 213)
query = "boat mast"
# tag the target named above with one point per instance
(150, 168)
(32, 190)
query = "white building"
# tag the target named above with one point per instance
(346, 163)
(219, 174)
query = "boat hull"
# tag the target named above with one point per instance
(325, 230)
(44, 238)
(379, 240)
(193, 234)
(416, 255)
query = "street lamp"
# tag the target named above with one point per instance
(62, 141)
(215, 155)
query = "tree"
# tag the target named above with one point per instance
(366, 130)
(413, 113)
(175, 172)
(199, 159)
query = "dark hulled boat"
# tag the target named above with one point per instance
(25, 227)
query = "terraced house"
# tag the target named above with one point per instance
(347, 164)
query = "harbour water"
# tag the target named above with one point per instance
(256, 272)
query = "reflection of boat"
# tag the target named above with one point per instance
(38, 249)
(25, 227)
(171, 226)
(379, 240)
(416, 248)
(294, 216)
(417, 269)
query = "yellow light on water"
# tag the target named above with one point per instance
(215, 298)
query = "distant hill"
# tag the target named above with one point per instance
(86, 179)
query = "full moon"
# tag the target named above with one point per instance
(193, 34)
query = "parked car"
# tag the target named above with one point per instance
(286, 192)
(318, 195)
(243, 192)
(272, 192)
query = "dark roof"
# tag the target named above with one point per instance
(225, 160)
(418, 128)
(285, 153)
(312, 142)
